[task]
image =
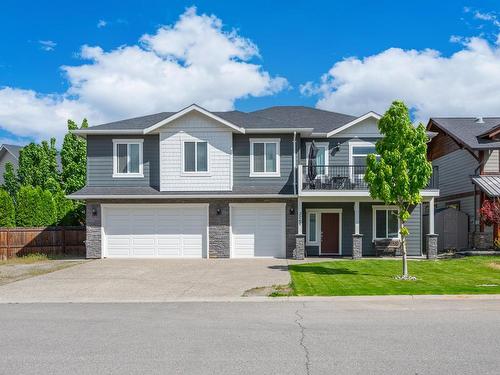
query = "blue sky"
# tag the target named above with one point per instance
(297, 41)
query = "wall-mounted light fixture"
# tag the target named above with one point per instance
(94, 211)
(337, 147)
(219, 211)
(292, 211)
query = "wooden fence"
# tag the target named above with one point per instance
(53, 241)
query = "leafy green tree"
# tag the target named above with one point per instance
(11, 183)
(7, 210)
(64, 208)
(27, 213)
(38, 165)
(47, 208)
(401, 170)
(74, 159)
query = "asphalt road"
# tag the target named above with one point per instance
(335, 337)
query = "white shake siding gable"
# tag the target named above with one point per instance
(195, 127)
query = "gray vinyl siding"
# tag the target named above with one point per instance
(241, 165)
(455, 170)
(340, 157)
(492, 161)
(100, 162)
(7, 158)
(414, 240)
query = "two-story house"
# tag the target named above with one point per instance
(8, 154)
(466, 151)
(196, 183)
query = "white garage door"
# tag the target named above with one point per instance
(166, 231)
(258, 230)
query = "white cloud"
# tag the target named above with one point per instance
(467, 83)
(101, 23)
(194, 60)
(47, 45)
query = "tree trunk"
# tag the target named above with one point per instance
(403, 247)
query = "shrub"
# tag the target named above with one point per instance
(64, 209)
(7, 210)
(35, 207)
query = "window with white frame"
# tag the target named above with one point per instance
(321, 157)
(358, 153)
(127, 158)
(264, 157)
(385, 222)
(312, 228)
(195, 157)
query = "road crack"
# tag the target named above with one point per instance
(298, 321)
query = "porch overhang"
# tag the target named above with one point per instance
(490, 185)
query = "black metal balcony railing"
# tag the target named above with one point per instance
(344, 177)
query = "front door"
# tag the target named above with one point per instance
(330, 233)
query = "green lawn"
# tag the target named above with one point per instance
(469, 275)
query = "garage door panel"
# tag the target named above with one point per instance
(257, 231)
(165, 231)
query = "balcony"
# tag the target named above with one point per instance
(343, 178)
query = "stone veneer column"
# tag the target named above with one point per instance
(357, 246)
(432, 246)
(93, 240)
(218, 230)
(300, 246)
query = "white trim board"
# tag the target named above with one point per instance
(368, 115)
(191, 108)
(318, 227)
(376, 208)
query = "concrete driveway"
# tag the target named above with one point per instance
(149, 280)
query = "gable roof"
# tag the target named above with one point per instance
(467, 131)
(355, 121)
(274, 119)
(12, 149)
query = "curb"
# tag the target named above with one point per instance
(393, 298)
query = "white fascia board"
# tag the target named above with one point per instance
(278, 130)
(370, 114)
(3, 148)
(191, 108)
(201, 196)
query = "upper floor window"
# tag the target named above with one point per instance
(264, 157)
(195, 157)
(127, 158)
(385, 222)
(358, 152)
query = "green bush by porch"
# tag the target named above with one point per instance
(470, 275)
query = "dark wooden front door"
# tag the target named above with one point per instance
(330, 233)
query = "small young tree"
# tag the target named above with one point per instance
(7, 210)
(401, 170)
(10, 184)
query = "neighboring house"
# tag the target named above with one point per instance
(466, 150)
(8, 154)
(196, 183)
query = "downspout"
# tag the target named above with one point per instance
(476, 172)
(294, 163)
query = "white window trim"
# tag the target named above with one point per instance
(326, 145)
(195, 173)
(353, 144)
(318, 212)
(374, 222)
(128, 142)
(276, 141)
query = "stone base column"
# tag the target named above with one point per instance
(93, 240)
(300, 247)
(432, 246)
(357, 246)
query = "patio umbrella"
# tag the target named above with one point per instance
(311, 166)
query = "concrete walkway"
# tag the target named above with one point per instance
(149, 280)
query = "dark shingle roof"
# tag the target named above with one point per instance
(140, 123)
(13, 149)
(282, 117)
(306, 117)
(468, 131)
